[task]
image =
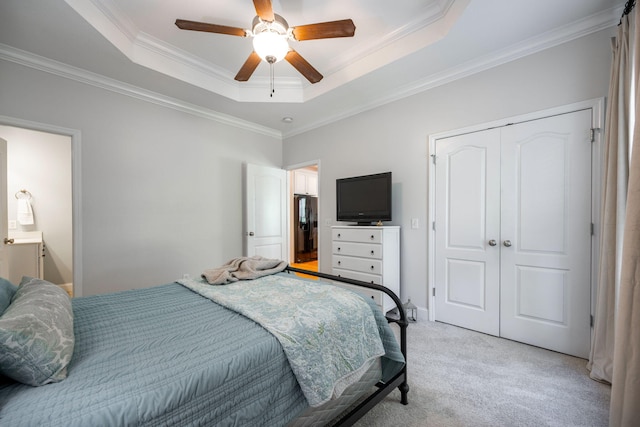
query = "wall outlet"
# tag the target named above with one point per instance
(12, 224)
(415, 223)
(327, 222)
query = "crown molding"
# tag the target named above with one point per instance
(444, 10)
(550, 39)
(60, 69)
(580, 28)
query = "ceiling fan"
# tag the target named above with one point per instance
(271, 33)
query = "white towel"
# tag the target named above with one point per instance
(25, 213)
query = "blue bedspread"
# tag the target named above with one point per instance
(167, 356)
(329, 334)
(161, 356)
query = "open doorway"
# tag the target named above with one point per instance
(304, 218)
(39, 173)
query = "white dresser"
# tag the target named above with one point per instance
(370, 254)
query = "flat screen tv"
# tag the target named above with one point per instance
(364, 199)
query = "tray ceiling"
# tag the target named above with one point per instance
(400, 48)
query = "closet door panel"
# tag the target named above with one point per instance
(467, 218)
(546, 219)
(541, 180)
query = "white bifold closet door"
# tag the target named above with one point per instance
(513, 232)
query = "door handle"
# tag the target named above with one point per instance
(507, 243)
(492, 242)
(8, 241)
(250, 233)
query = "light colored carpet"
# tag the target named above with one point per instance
(464, 378)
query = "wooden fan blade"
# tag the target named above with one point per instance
(248, 67)
(325, 30)
(210, 28)
(301, 64)
(264, 10)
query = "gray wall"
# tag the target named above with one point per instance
(395, 136)
(161, 190)
(41, 163)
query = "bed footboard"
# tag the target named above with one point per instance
(400, 380)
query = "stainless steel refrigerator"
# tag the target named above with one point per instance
(305, 228)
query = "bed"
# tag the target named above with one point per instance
(168, 355)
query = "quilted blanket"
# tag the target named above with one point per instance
(329, 334)
(161, 356)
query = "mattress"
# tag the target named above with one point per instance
(168, 356)
(324, 415)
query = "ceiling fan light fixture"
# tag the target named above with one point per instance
(271, 34)
(270, 46)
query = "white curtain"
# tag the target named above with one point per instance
(614, 201)
(625, 387)
(615, 350)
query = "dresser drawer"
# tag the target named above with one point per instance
(376, 296)
(355, 234)
(371, 266)
(365, 250)
(356, 275)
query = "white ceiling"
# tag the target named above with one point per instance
(399, 48)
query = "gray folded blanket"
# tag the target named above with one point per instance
(243, 268)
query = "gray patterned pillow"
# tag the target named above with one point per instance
(36, 334)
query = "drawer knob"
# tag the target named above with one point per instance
(372, 267)
(339, 234)
(339, 262)
(338, 249)
(372, 297)
(372, 252)
(372, 237)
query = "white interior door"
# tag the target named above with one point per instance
(4, 223)
(546, 218)
(265, 212)
(513, 232)
(467, 206)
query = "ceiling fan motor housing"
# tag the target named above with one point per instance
(278, 25)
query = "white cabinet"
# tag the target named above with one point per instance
(305, 182)
(370, 254)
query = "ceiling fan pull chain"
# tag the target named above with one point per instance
(271, 78)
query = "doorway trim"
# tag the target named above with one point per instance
(597, 107)
(76, 183)
(290, 169)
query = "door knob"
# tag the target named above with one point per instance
(492, 242)
(8, 241)
(507, 243)
(251, 233)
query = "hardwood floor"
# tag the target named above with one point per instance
(311, 266)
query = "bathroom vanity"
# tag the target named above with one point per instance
(26, 255)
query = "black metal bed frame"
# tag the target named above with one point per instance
(400, 379)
